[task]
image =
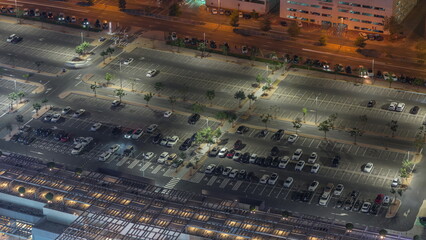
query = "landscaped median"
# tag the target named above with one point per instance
(393, 208)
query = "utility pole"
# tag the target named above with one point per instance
(373, 70)
(82, 37)
(316, 109)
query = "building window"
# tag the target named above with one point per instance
(316, 13)
(379, 8)
(312, 20)
(326, 0)
(355, 12)
(354, 19)
(379, 16)
(315, 6)
(356, 27)
(344, 18)
(343, 10)
(366, 29)
(366, 6)
(365, 21)
(344, 3)
(355, 5)
(327, 8)
(304, 19)
(291, 17)
(367, 14)
(378, 23)
(303, 11)
(291, 9)
(326, 15)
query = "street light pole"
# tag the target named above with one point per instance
(373, 70)
(316, 109)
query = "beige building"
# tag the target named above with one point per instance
(248, 6)
(363, 15)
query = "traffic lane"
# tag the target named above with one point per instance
(360, 93)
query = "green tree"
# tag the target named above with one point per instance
(418, 82)
(26, 76)
(49, 196)
(94, 87)
(13, 96)
(297, 123)
(323, 40)
(50, 165)
(331, 119)
(265, 23)
(240, 96)
(210, 95)
(19, 118)
(147, 97)
(201, 47)
(21, 190)
(252, 98)
(324, 127)
(234, 18)
(293, 30)
(197, 107)
(172, 101)
(120, 93)
(231, 117)
(221, 116)
(122, 4)
(110, 51)
(44, 101)
(259, 79)
(389, 79)
(286, 214)
(81, 49)
(266, 118)
(20, 95)
(78, 171)
(37, 107)
(419, 142)
(108, 78)
(174, 10)
(416, 237)
(19, 14)
(224, 50)
(355, 132)
(392, 25)
(207, 135)
(304, 111)
(103, 55)
(158, 86)
(393, 125)
(349, 226)
(360, 42)
(179, 43)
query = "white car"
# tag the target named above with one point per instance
(77, 149)
(163, 157)
(210, 168)
(237, 156)
(297, 154)
(115, 103)
(151, 73)
(288, 182)
(137, 133)
(104, 156)
(292, 138)
(83, 140)
(167, 114)
(173, 36)
(395, 182)
(365, 207)
(66, 110)
(164, 141)
(172, 141)
(214, 11)
(313, 186)
(233, 173)
(313, 157)
(78, 113)
(392, 106)
(387, 200)
(400, 107)
(226, 171)
(284, 161)
(264, 179)
(128, 61)
(36, 13)
(73, 19)
(151, 128)
(253, 158)
(222, 153)
(11, 37)
(299, 166)
(368, 167)
(56, 117)
(95, 127)
(315, 168)
(339, 189)
(148, 155)
(114, 148)
(273, 179)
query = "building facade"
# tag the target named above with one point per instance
(363, 15)
(248, 6)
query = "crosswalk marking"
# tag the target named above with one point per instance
(122, 161)
(172, 183)
(212, 180)
(224, 183)
(144, 167)
(133, 164)
(237, 185)
(197, 177)
(155, 171)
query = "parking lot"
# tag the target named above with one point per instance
(348, 101)
(38, 45)
(7, 87)
(180, 73)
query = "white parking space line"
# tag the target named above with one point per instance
(224, 183)
(211, 181)
(237, 185)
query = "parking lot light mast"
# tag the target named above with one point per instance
(316, 109)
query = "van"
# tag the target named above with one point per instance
(104, 156)
(324, 199)
(400, 107)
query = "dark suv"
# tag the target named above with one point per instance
(194, 118)
(336, 161)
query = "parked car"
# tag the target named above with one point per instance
(414, 110)
(223, 152)
(288, 182)
(368, 167)
(214, 152)
(299, 166)
(79, 113)
(284, 162)
(313, 157)
(313, 186)
(315, 168)
(242, 129)
(338, 190)
(292, 138)
(264, 179)
(297, 154)
(371, 103)
(193, 118)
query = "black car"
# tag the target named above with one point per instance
(357, 206)
(267, 161)
(242, 129)
(129, 149)
(97, 24)
(251, 177)
(278, 135)
(348, 204)
(186, 144)
(295, 196)
(259, 160)
(242, 174)
(340, 203)
(59, 135)
(371, 103)
(336, 161)
(28, 140)
(47, 132)
(348, 69)
(414, 110)
(116, 130)
(15, 137)
(16, 40)
(246, 157)
(379, 74)
(375, 209)
(193, 137)
(275, 151)
(275, 162)
(213, 44)
(306, 196)
(263, 133)
(50, 15)
(157, 138)
(238, 145)
(193, 41)
(295, 59)
(246, 16)
(47, 117)
(354, 194)
(194, 118)
(218, 170)
(31, 13)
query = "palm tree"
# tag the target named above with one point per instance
(13, 96)
(221, 116)
(325, 127)
(297, 123)
(265, 118)
(37, 107)
(252, 98)
(349, 227)
(21, 94)
(44, 101)
(108, 77)
(103, 55)
(172, 100)
(210, 95)
(393, 125)
(304, 111)
(21, 190)
(120, 93)
(179, 43)
(147, 97)
(94, 87)
(240, 95)
(26, 76)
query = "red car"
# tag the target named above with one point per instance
(65, 138)
(230, 154)
(379, 198)
(238, 145)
